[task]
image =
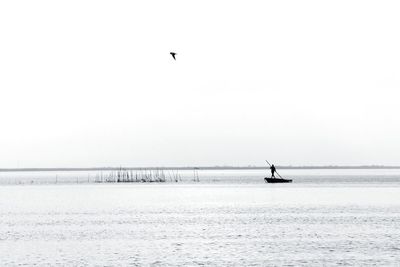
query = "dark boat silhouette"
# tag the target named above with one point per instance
(274, 180)
(277, 180)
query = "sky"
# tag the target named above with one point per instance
(92, 83)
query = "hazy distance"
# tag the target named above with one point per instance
(92, 83)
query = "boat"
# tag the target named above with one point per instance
(277, 180)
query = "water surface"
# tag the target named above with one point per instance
(231, 222)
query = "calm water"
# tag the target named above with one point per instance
(326, 176)
(333, 217)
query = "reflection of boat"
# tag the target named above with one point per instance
(277, 180)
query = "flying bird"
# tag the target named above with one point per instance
(173, 55)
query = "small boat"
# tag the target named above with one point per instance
(277, 180)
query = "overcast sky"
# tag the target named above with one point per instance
(92, 83)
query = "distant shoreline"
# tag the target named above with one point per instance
(199, 168)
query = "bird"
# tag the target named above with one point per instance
(173, 55)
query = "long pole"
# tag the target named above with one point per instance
(275, 170)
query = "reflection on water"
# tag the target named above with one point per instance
(199, 224)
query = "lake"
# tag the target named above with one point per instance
(229, 218)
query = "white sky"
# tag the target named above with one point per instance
(92, 83)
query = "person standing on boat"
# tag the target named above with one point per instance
(273, 170)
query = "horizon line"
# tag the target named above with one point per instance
(217, 167)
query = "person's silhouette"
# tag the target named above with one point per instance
(273, 170)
